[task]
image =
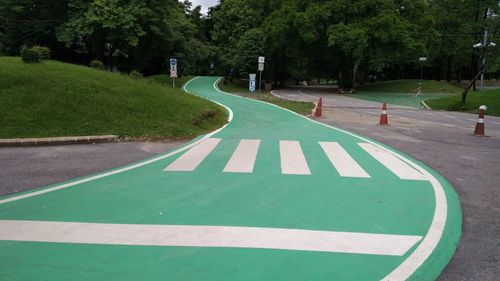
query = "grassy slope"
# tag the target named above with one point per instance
(57, 99)
(167, 80)
(410, 86)
(489, 98)
(299, 107)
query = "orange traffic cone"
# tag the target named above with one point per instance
(383, 117)
(479, 131)
(319, 108)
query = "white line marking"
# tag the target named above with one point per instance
(430, 114)
(243, 158)
(449, 116)
(193, 157)
(342, 161)
(293, 161)
(448, 125)
(495, 123)
(207, 236)
(393, 163)
(473, 120)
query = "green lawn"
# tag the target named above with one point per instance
(410, 86)
(304, 108)
(402, 92)
(167, 80)
(490, 98)
(58, 99)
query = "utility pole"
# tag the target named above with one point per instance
(485, 42)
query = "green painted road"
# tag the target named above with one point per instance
(271, 196)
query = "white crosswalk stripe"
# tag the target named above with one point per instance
(191, 159)
(393, 163)
(293, 161)
(342, 161)
(243, 158)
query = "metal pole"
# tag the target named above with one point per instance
(260, 80)
(422, 72)
(173, 82)
(485, 41)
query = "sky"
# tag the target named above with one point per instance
(205, 4)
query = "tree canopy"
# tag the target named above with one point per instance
(301, 39)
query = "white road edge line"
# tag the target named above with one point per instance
(207, 236)
(402, 272)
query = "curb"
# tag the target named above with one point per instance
(56, 140)
(425, 105)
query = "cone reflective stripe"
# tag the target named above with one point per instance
(479, 130)
(319, 108)
(383, 117)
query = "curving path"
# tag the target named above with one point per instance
(271, 196)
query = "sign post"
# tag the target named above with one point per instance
(261, 68)
(173, 71)
(422, 60)
(251, 83)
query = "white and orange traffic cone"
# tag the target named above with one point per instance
(479, 131)
(319, 108)
(383, 117)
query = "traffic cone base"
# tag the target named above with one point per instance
(383, 117)
(319, 108)
(479, 130)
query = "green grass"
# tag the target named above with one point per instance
(167, 80)
(410, 86)
(303, 108)
(490, 98)
(58, 99)
(402, 92)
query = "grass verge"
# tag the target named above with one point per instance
(490, 98)
(304, 108)
(57, 99)
(403, 92)
(167, 80)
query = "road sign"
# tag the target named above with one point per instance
(173, 68)
(261, 67)
(251, 85)
(422, 59)
(262, 59)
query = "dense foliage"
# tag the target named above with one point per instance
(301, 39)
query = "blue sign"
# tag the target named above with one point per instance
(173, 68)
(251, 86)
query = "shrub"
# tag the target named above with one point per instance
(43, 52)
(134, 74)
(97, 64)
(29, 55)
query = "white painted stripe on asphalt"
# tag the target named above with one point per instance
(393, 163)
(496, 123)
(207, 236)
(193, 157)
(473, 120)
(293, 161)
(448, 125)
(243, 158)
(342, 161)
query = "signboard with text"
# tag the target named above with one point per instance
(251, 82)
(173, 68)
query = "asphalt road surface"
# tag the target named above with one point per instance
(444, 141)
